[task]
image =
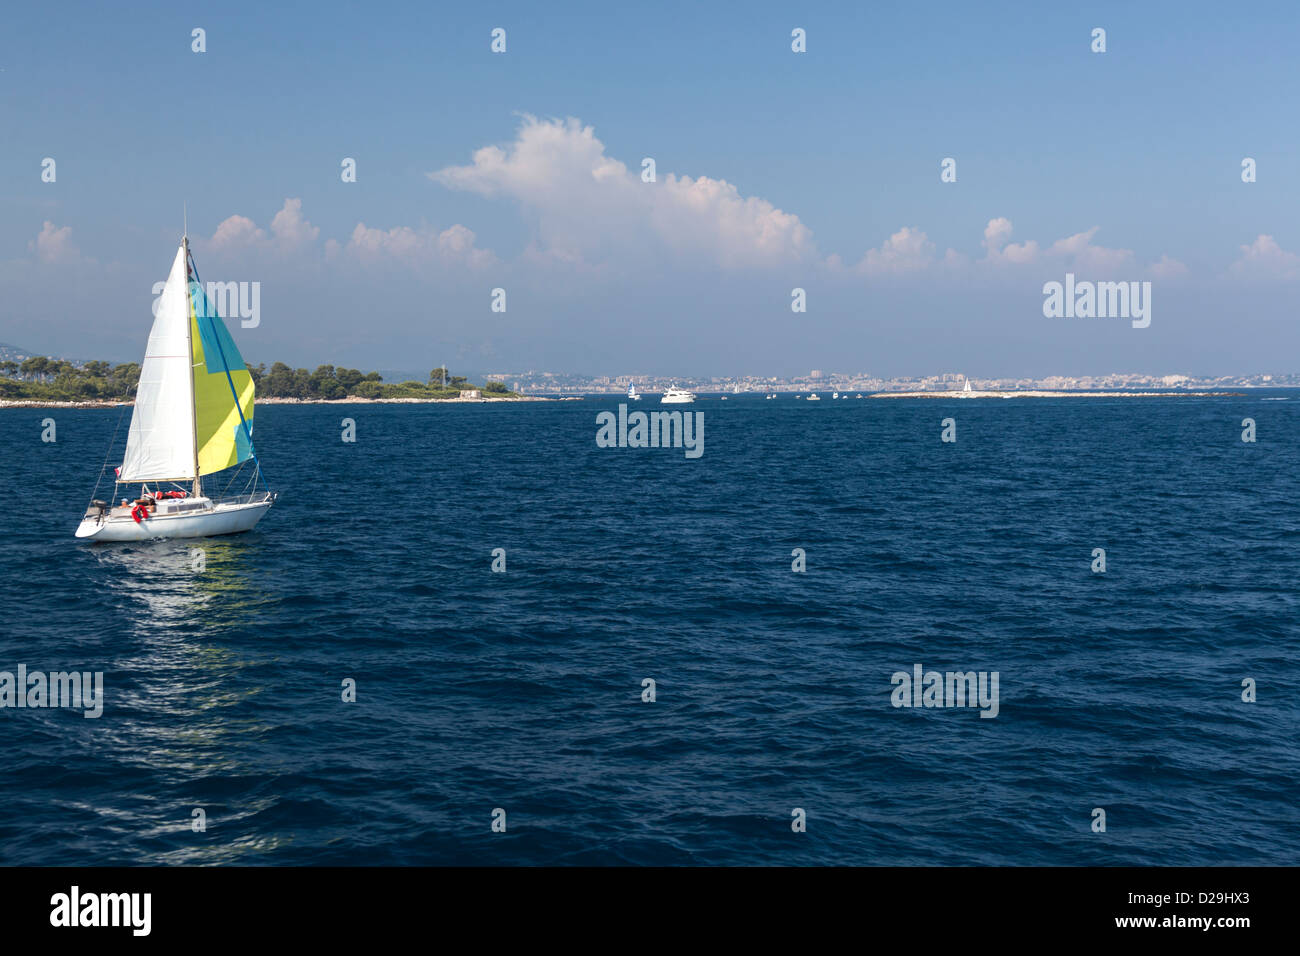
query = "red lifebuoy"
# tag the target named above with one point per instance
(139, 512)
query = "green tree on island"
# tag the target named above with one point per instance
(40, 378)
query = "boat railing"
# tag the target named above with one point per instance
(255, 498)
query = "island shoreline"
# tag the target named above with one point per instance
(358, 400)
(350, 400)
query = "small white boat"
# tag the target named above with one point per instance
(835, 395)
(631, 393)
(735, 390)
(677, 396)
(771, 396)
(859, 395)
(724, 398)
(814, 397)
(193, 416)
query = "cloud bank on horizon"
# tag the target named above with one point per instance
(600, 234)
(591, 210)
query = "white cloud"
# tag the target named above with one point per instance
(1095, 260)
(54, 244)
(1166, 268)
(289, 231)
(1265, 259)
(589, 206)
(907, 250)
(454, 245)
(1074, 252)
(236, 232)
(997, 235)
(290, 228)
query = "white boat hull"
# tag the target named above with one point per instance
(221, 519)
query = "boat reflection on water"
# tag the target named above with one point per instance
(180, 691)
(202, 584)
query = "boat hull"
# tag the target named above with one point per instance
(222, 519)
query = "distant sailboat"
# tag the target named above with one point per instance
(193, 417)
(814, 397)
(631, 393)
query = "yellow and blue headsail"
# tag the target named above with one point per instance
(223, 387)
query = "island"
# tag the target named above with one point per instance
(40, 381)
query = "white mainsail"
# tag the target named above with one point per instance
(161, 445)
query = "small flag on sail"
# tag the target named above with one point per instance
(117, 472)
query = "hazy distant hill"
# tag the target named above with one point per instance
(12, 353)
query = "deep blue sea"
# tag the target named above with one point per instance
(522, 690)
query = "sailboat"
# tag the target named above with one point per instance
(631, 392)
(193, 418)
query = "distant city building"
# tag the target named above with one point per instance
(563, 383)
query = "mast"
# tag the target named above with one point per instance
(189, 344)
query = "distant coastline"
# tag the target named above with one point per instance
(350, 400)
(359, 400)
(1040, 393)
(457, 400)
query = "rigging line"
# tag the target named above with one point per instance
(102, 468)
(238, 472)
(248, 432)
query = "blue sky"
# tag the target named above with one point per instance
(817, 170)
